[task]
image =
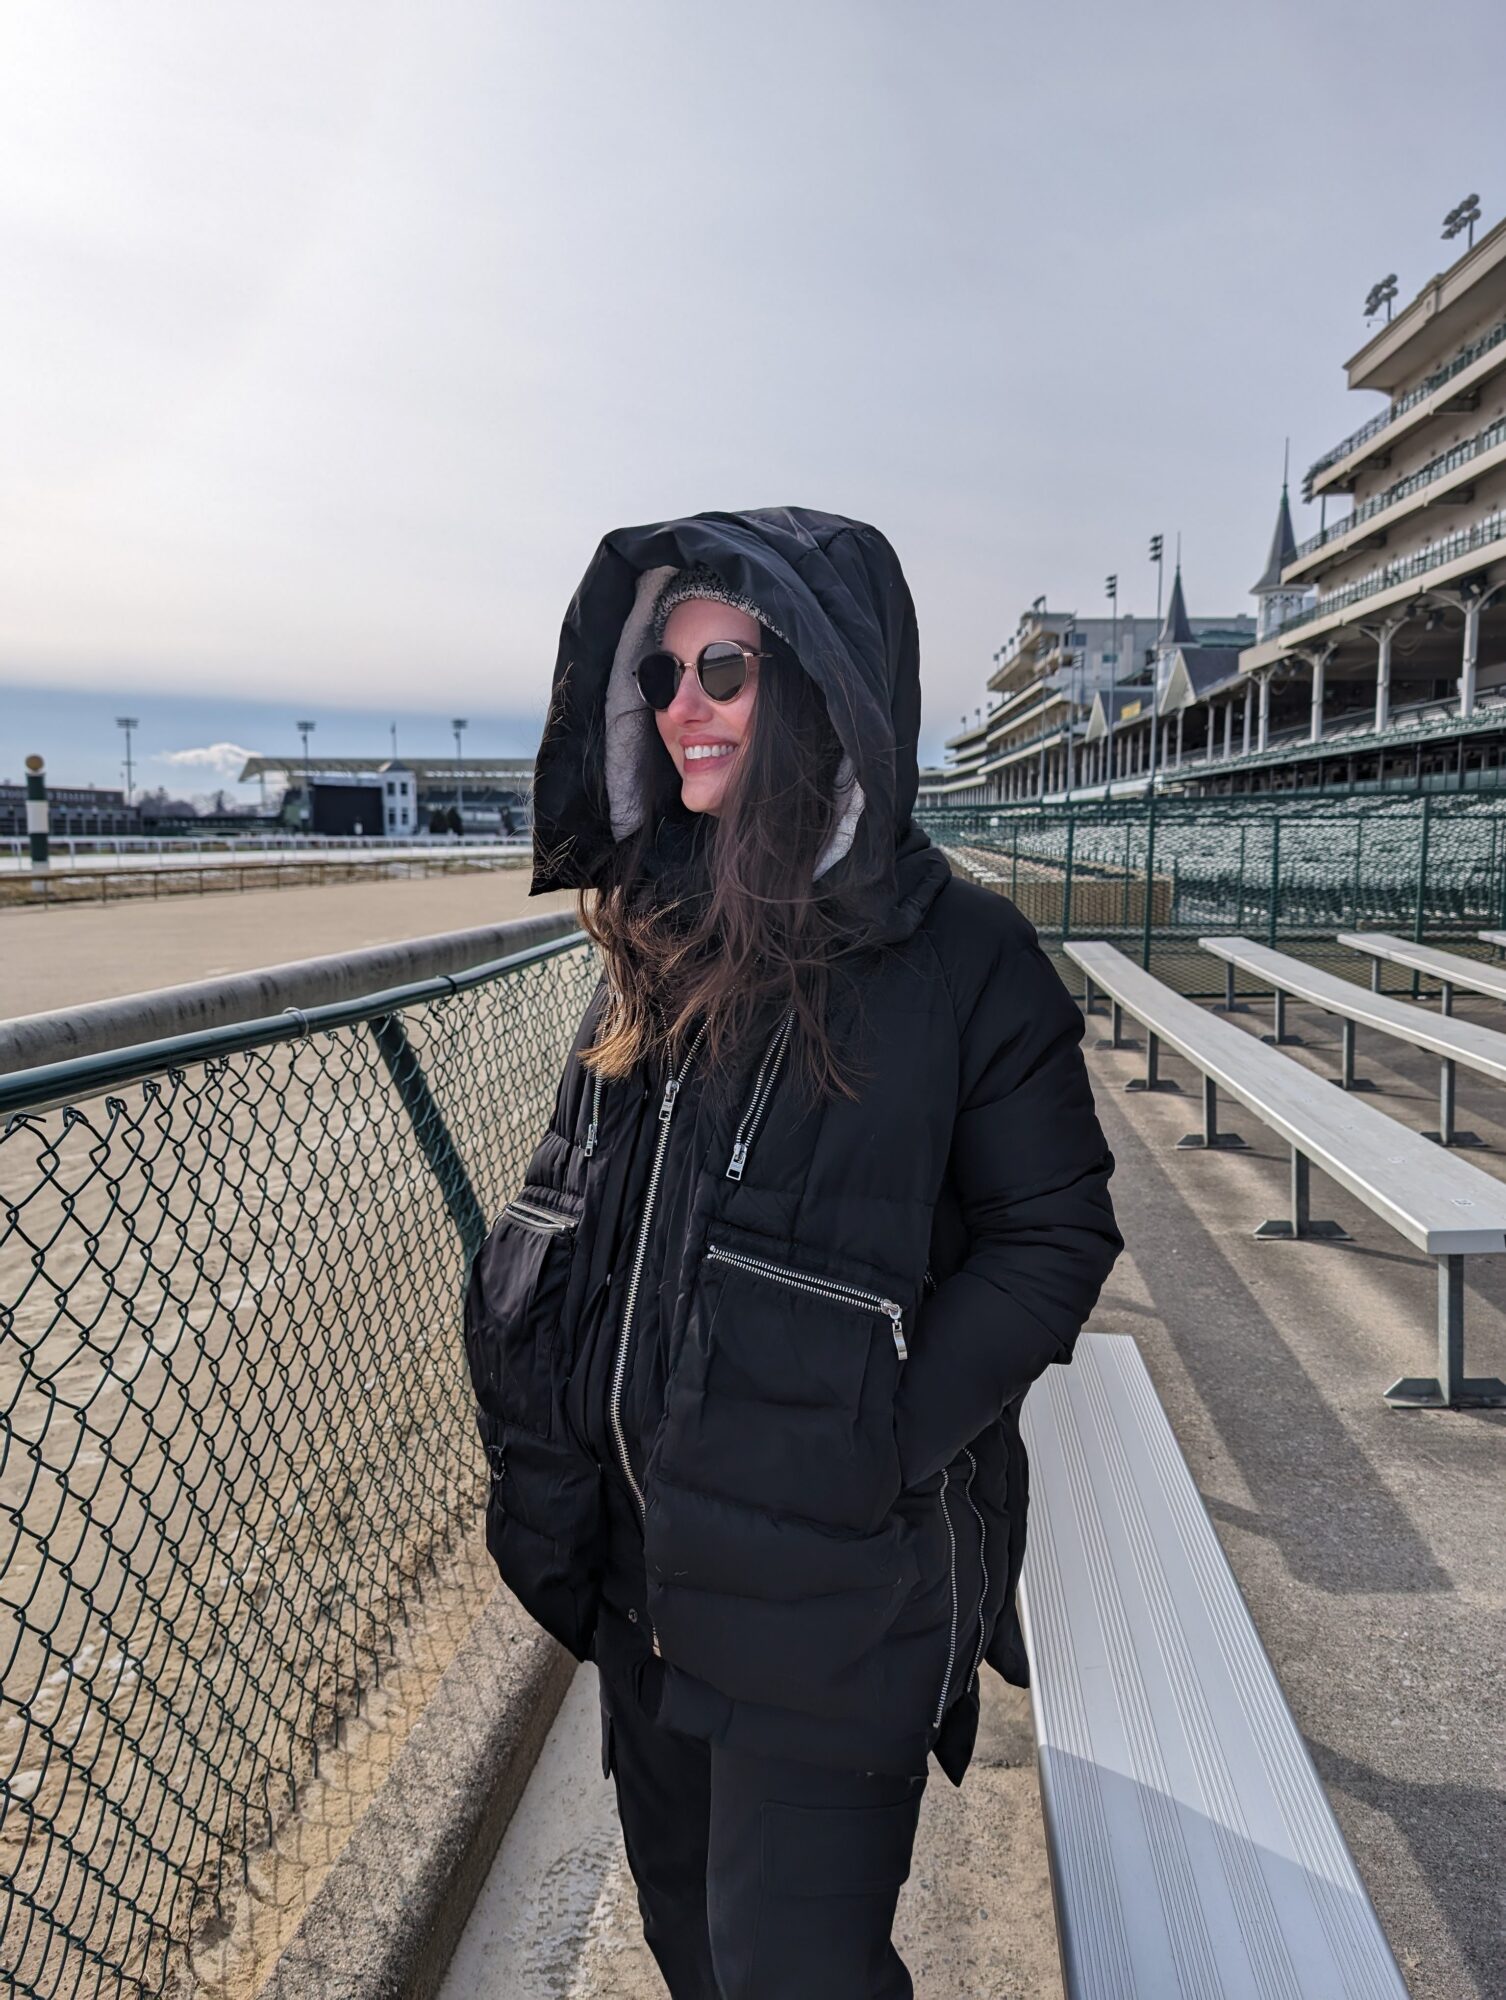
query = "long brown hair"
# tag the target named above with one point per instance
(714, 919)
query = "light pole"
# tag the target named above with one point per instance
(1111, 591)
(306, 730)
(1379, 295)
(1465, 216)
(1158, 557)
(458, 725)
(127, 723)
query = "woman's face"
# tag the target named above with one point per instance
(703, 736)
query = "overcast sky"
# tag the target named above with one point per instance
(336, 334)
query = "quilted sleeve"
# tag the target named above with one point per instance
(1031, 1167)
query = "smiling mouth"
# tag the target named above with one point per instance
(705, 753)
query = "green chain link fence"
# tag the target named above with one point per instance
(235, 1426)
(1153, 877)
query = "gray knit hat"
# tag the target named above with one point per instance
(699, 581)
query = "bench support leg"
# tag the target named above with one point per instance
(1210, 1134)
(1281, 1038)
(1447, 1134)
(1152, 1079)
(1229, 1004)
(1346, 1079)
(1116, 1038)
(1301, 1223)
(1375, 975)
(1089, 996)
(1453, 1389)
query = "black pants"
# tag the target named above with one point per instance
(759, 1879)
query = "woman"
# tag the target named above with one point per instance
(822, 1194)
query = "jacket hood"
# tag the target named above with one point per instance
(834, 588)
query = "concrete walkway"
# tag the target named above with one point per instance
(557, 1919)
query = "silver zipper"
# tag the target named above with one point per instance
(536, 1216)
(666, 1112)
(590, 1146)
(982, 1560)
(951, 1656)
(830, 1288)
(768, 1069)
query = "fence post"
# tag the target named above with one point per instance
(1422, 879)
(1150, 880)
(1067, 883)
(1275, 881)
(431, 1131)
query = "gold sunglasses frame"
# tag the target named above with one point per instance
(749, 653)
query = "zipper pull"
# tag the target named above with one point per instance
(735, 1164)
(897, 1317)
(667, 1102)
(590, 1146)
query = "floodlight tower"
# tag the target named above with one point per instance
(1463, 217)
(1380, 295)
(127, 723)
(1158, 557)
(459, 724)
(1111, 592)
(306, 730)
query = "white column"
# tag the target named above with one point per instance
(1263, 737)
(1471, 657)
(1383, 677)
(1181, 712)
(1228, 729)
(1249, 713)
(1315, 732)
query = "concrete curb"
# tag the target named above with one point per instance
(386, 1919)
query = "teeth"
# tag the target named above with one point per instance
(696, 752)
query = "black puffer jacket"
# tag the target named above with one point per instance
(798, 1337)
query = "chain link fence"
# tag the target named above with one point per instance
(235, 1427)
(1152, 877)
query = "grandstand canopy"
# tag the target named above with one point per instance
(512, 773)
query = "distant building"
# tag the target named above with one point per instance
(76, 810)
(397, 798)
(1057, 683)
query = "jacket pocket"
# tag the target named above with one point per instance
(782, 1394)
(514, 1301)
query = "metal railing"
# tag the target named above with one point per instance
(1383, 420)
(1438, 468)
(235, 1424)
(1432, 555)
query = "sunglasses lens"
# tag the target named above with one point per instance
(658, 678)
(723, 671)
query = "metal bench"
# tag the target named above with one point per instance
(1441, 1204)
(1452, 1041)
(1447, 967)
(1192, 1847)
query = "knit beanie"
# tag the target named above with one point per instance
(699, 581)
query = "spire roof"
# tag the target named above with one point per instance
(1283, 548)
(1177, 630)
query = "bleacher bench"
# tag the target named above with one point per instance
(1193, 1850)
(1437, 1201)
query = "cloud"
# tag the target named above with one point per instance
(226, 760)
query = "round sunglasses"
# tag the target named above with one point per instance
(722, 671)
